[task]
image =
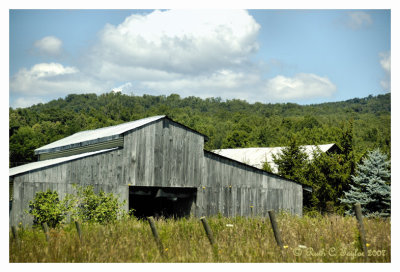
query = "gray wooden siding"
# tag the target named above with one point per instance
(164, 154)
(244, 190)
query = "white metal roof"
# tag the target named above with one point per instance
(41, 164)
(94, 136)
(256, 156)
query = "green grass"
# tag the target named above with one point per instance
(307, 239)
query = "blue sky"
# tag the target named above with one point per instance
(268, 56)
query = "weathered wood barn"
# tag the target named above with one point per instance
(159, 167)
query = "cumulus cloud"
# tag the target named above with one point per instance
(124, 88)
(23, 102)
(358, 19)
(179, 41)
(49, 46)
(385, 61)
(300, 86)
(50, 79)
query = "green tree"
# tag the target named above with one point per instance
(328, 175)
(22, 145)
(267, 167)
(47, 207)
(235, 139)
(371, 185)
(292, 162)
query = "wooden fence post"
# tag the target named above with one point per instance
(15, 233)
(210, 237)
(208, 230)
(155, 234)
(46, 230)
(275, 228)
(78, 229)
(357, 209)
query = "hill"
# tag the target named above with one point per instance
(229, 124)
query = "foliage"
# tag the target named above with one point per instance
(371, 185)
(327, 173)
(329, 176)
(88, 206)
(291, 162)
(85, 205)
(267, 167)
(47, 207)
(308, 239)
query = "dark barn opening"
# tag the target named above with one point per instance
(161, 201)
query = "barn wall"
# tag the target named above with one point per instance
(232, 188)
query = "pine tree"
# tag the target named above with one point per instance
(292, 162)
(371, 185)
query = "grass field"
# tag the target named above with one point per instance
(308, 239)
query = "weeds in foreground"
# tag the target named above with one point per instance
(238, 239)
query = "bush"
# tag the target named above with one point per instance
(88, 206)
(85, 205)
(46, 207)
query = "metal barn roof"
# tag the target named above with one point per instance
(42, 164)
(95, 136)
(256, 156)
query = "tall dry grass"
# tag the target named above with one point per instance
(307, 239)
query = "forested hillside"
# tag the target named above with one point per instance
(228, 124)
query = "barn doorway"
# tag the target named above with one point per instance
(161, 201)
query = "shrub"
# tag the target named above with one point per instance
(85, 205)
(88, 206)
(47, 207)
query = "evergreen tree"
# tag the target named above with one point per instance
(371, 185)
(267, 167)
(292, 162)
(328, 174)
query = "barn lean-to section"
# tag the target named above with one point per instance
(157, 166)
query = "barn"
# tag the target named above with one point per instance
(159, 167)
(257, 156)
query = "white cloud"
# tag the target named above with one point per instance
(50, 45)
(124, 88)
(224, 83)
(385, 61)
(23, 102)
(358, 19)
(301, 86)
(179, 41)
(50, 79)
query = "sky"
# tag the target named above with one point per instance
(263, 55)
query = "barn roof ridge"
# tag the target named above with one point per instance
(88, 137)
